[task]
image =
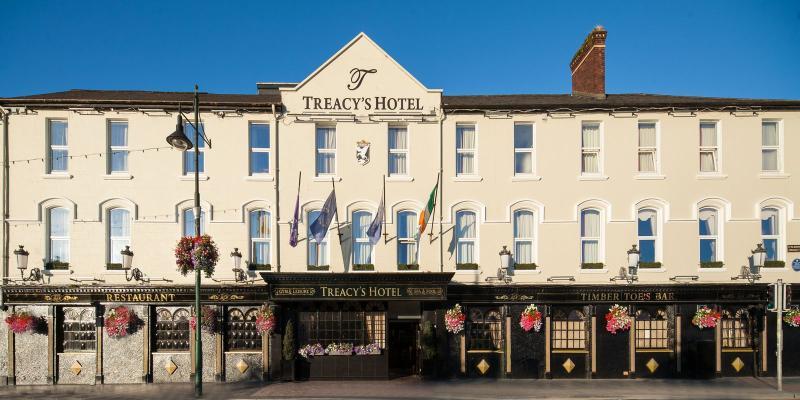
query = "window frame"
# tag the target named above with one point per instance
(311, 241)
(531, 239)
(51, 147)
(599, 239)
(718, 253)
(203, 221)
(657, 238)
(318, 150)
(360, 240)
(111, 149)
(780, 254)
(473, 150)
(474, 240)
(253, 240)
(201, 148)
(398, 151)
(51, 238)
(778, 149)
(529, 150)
(715, 149)
(110, 239)
(656, 150)
(408, 240)
(251, 149)
(593, 150)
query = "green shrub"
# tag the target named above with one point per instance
(288, 341)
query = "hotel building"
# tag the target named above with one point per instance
(537, 199)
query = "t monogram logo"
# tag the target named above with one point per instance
(357, 77)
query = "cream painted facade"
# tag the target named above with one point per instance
(156, 191)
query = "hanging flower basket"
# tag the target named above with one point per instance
(454, 319)
(118, 321)
(617, 319)
(196, 252)
(208, 319)
(531, 318)
(21, 322)
(792, 317)
(265, 321)
(705, 318)
(311, 350)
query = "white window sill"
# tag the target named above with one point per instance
(190, 177)
(58, 175)
(784, 268)
(114, 272)
(352, 271)
(593, 271)
(468, 178)
(712, 176)
(472, 272)
(259, 178)
(54, 272)
(593, 178)
(326, 178)
(774, 175)
(652, 270)
(400, 178)
(712, 270)
(528, 272)
(525, 178)
(649, 177)
(118, 176)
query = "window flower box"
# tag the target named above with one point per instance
(774, 264)
(113, 266)
(467, 267)
(318, 267)
(56, 265)
(526, 267)
(592, 265)
(259, 267)
(711, 264)
(646, 265)
(408, 267)
(363, 267)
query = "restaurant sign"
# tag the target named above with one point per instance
(167, 295)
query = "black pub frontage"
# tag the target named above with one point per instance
(386, 325)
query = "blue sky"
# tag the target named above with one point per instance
(705, 48)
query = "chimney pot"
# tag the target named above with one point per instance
(588, 65)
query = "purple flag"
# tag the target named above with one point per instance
(293, 232)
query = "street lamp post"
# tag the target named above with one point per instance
(179, 141)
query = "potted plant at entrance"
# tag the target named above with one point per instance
(428, 347)
(288, 352)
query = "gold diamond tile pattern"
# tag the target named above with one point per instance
(483, 366)
(76, 368)
(242, 366)
(652, 365)
(568, 365)
(170, 367)
(738, 364)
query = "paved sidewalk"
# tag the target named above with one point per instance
(412, 388)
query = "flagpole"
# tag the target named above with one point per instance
(430, 234)
(385, 234)
(296, 221)
(336, 212)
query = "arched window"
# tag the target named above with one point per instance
(569, 330)
(260, 234)
(466, 237)
(591, 237)
(58, 227)
(119, 233)
(362, 248)
(652, 329)
(317, 251)
(736, 329)
(485, 330)
(709, 229)
(188, 222)
(523, 237)
(648, 235)
(771, 233)
(406, 238)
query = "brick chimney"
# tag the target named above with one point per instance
(589, 65)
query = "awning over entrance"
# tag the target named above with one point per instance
(343, 286)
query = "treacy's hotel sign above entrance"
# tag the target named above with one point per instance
(361, 80)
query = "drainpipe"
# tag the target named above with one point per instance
(5, 201)
(277, 192)
(441, 189)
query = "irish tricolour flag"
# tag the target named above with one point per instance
(426, 213)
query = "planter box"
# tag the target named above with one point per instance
(259, 267)
(318, 267)
(287, 370)
(711, 264)
(363, 267)
(408, 267)
(467, 267)
(592, 266)
(525, 267)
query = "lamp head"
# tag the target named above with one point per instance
(759, 255)
(178, 139)
(505, 258)
(22, 257)
(127, 258)
(237, 257)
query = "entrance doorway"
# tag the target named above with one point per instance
(402, 346)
